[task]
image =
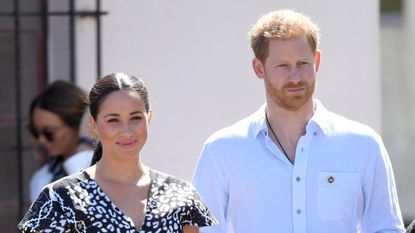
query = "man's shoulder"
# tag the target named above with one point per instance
(344, 128)
(239, 130)
(337, 124)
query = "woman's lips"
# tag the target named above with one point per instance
(126, 144)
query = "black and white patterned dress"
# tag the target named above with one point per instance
(77, 204)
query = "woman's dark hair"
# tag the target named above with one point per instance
(107, 85)
(64, 99)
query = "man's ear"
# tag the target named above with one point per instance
(258, 68)
(150, 114)
(317, 56)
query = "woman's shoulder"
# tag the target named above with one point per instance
(58, 204)
(69, 182)
(166, 184)
(67, 189)
(171, 193)
(167, 179)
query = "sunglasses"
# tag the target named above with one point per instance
(47, 133)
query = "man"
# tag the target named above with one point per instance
(293, 166)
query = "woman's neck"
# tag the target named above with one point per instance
(125, 173)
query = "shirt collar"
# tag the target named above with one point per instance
(320, 117)
(319, 120)
(258, 122)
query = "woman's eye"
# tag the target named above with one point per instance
(136, 118)
(112, 120)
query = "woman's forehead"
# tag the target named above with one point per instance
(121, 101)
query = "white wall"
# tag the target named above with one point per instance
(196, 60)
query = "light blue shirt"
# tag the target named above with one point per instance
(341, 181)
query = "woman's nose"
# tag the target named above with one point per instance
(126, 129)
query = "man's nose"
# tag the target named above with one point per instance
(295, 75)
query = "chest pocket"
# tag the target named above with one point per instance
(337, 195)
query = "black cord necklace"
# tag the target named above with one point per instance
(276, 138)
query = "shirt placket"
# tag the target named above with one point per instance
(299, 185)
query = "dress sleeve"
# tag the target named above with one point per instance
(198, 214)
(46, 214)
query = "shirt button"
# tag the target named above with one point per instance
(298, 211)
(315, 133)
(298, 178)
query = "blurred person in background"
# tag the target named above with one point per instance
(56, 116)
(411, 227)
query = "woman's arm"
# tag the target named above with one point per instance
(190, 229)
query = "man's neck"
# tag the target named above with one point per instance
(287, 121)
(288, 125)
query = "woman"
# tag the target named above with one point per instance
(55, 121)
(118, 193)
